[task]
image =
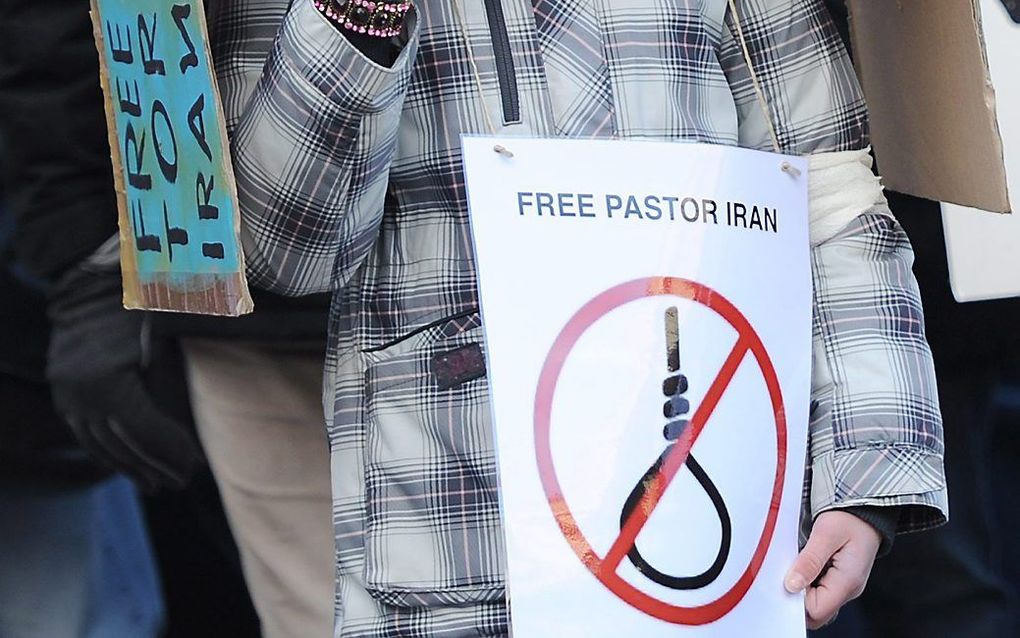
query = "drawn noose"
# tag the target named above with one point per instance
(676, 405)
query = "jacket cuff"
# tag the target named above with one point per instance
(885, 520)
(331, 64)
(843, 479)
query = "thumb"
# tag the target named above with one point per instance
(820, 547)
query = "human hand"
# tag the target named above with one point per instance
(115, 419)
(834, 565)
(95, 367)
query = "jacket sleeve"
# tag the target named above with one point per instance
(312, 146)
(876, 431)
(813, 97)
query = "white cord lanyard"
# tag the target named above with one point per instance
(762, 102)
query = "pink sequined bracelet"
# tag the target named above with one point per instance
(380, 19)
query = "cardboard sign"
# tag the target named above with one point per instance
(647, 309)
(932, 103)
(984, 250)
(176, 194)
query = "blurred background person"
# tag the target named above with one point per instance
(252, 385)
(256, 393)
(75, 560)
(120, 387)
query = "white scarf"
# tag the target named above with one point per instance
(841, 186)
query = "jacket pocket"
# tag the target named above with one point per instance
(433, 534)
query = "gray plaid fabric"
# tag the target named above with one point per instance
(349, 177)
(876, 430)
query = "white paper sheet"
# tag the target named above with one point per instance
(584, 248)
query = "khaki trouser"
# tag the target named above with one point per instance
(258, 409)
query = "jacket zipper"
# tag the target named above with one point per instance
(505, 71)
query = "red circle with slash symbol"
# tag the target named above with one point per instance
(605, 567)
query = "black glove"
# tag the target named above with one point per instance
(95, 366)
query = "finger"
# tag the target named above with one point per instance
(823, 542)
(127, 461)
(83, 432)
(840, 584)
(165, 474)
(161, 446)
(166, 441)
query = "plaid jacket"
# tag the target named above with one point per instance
(349, 177)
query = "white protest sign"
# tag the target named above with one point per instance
(647, 309)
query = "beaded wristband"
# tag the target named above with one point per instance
(380, 19)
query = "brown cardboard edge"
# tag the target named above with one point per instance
(999, 202)
(128, 263)
(991, 100)
(205, 294)
(245, 304)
